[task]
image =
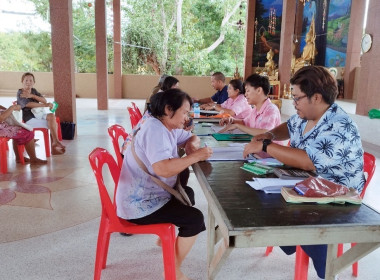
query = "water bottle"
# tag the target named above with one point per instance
(197, 110)
(55, 106)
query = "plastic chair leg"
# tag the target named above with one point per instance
(168, 253)
(59, 130)
(45, 132)
(20, 150)
(355, 266)
(3, 156)
(302, 264)
(340, 250)
(101, 249)
(269, 250)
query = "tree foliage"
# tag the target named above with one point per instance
(193, 37)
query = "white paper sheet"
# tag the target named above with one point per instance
(271, 185)
(227, 153)
(217, 128)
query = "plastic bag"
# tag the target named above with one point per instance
(319, 187)
(374, 114)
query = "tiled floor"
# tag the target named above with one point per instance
(49, 230)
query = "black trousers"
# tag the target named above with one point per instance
(188, 219)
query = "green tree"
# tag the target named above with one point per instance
(158, 36)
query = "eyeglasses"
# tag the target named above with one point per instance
(296, 99)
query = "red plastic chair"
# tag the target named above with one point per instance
(302, 259)
(3, 154)
(369, 168)
(137, 110)
(110, 222)
(133, 116)
(115, 131)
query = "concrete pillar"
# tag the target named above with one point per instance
(287, 32)
(368, 95)
(355, 33)
(249, 37)
(117, 47)
(101, 54)
(63, 59)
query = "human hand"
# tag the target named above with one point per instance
(26, 94)
(255, 146)
(202, 153)
(15, 107)
(204, 106)
(228, 127)
(50, 105)
(226, 121)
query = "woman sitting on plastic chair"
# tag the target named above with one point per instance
(139, 198)
(169, 83)
(20, 136)
(29, 98)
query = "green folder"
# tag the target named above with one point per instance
(232, 137)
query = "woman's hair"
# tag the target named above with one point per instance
(173, 98)
(256, 81)
(316, 79)
(237, 84)
(27, 74)
(169, 82)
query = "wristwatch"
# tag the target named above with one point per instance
(266, 142)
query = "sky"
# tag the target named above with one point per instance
(14, 22)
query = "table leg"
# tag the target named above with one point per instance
(334, 264)
(215, 260)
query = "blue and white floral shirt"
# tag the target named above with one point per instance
(333, 145)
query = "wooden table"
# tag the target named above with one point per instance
(249, 218)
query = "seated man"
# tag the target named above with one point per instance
(218, 82)
(323, 138)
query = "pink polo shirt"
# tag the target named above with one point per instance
(267, 118)
(239, 105)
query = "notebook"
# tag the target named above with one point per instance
(232, 137)
(291, 196)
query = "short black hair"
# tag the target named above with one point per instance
(316, 79)
(256, 81)
(237, 84)
(219, 76)
(173, 98)
(169, 82)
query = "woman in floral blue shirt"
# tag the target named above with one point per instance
(323, 138)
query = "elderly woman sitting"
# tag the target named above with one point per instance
(139, 198)
(20, 135)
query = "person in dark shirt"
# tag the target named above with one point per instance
(29, 98)
(218, 82)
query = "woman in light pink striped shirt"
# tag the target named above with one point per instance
(236, 105)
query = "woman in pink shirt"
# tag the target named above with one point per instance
(236, 105)
(263, 117)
